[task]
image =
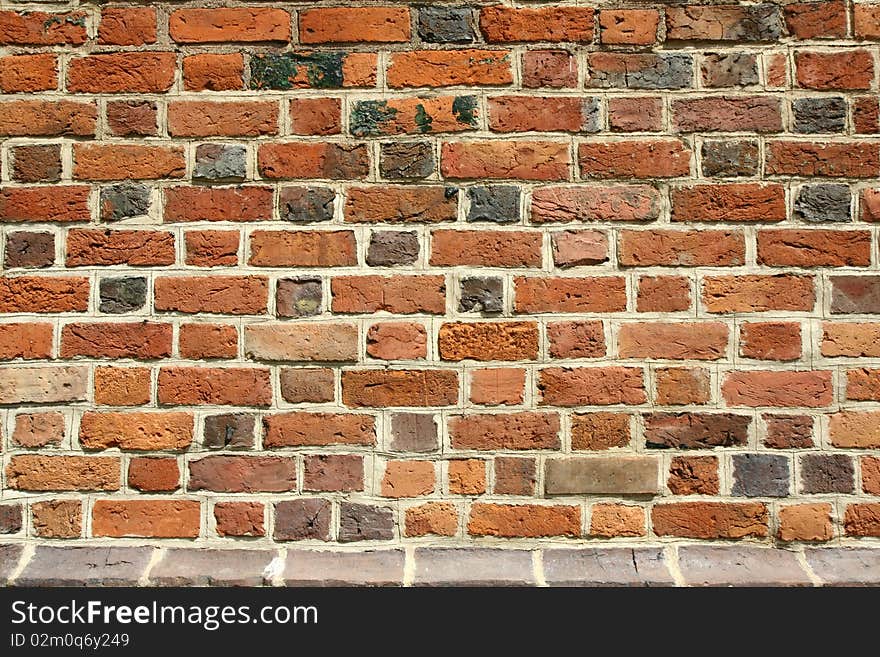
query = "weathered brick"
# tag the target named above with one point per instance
(523, 520)
(242, 474)
(771, 388)
(138, 431)
(618, 475)
(696, 430)
(148, 518)
(299, 429)
(301, 519)
(36, 472)
(523, 430)
(591, 386)
(710, 520)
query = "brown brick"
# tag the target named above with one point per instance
(710, 520)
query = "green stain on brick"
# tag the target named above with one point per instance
(423, 119)
(368, 116)
(464, 108)
(279, 70)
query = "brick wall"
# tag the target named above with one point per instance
(440, 274)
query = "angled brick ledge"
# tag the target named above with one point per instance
(651, 566)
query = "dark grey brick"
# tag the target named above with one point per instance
(473, 567)
(220, 162)
(412, 160)
(760, 475)
(124, 200)
(10, 518)
(413, 432)
(481, 294)
(388, 248)
(495, 203)
(735, 69)
(207, 567)
(9, 557)
(298, 297)
(307, 204)
(297, 520)
(823, 202)
(370, 568)
(85, 566)
(730, 158)
(364, 522)
(817, 115)
(762, 22)
(122, 295)
(740, 566)
(229, 431)
(827, 473)
(845, 566)
(591, 113)
(647, 71)
(446, 24)
(606, 567)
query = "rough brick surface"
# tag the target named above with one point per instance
(408, 275)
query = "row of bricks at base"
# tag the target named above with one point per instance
(321, 519)
(681, 565)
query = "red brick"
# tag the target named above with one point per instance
(154, 474)
(229, 295)
(507, 431)
(437, 518)
(729, 202)
(805, 522)
(28, 73)
(663, 294)
(333, 472)
(866, 21)
(141, 340)
(678, 248)
(576, 339)
(213, 72)
(827, 159)
(136, 248)
(397, 341)
(635, 27)
(811, 389)
(201, 341)
(60, 203)
(127, 161)
(635, 114)
(574, 248)
(38, 472)
(501, 24)
(43, 294)
(315, 116)
(855, 339)
(211, 248)
(591, 386)
(863, 384)
(300, 429)
(485, 248)
(127, 26)
(814, 248)
(599, 431)
(313, 160)
(727, 114)
(122, 386)
(126, 118)
(676, 341)
(45, 118)
(488, 341)
(37, 28)
(408, 479)
(524, 520)
(556, 69)
(539, 114)
(218, 204)
(235, 386)
(679, 386)
(139, 431)
(595, 203)
(243, 24)
(122, 72)
(570, 295)
(497, 386)
(862, 520)
(614, 520)
(222, 119)
(665, 158)
(770, 340)
(381, 388)
(354, 25)
(395, 294)
(242, 474)
(817, 20)
(447, 68)
(176, 518)
(854, 429)
(853, 69)
(711, 520)
(397, 204)
(240, 518)
(25, 340)
(522, 160)
(758, 293)
(271, 248)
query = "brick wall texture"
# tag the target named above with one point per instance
(322, 273)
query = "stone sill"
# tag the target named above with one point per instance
(670, 565)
